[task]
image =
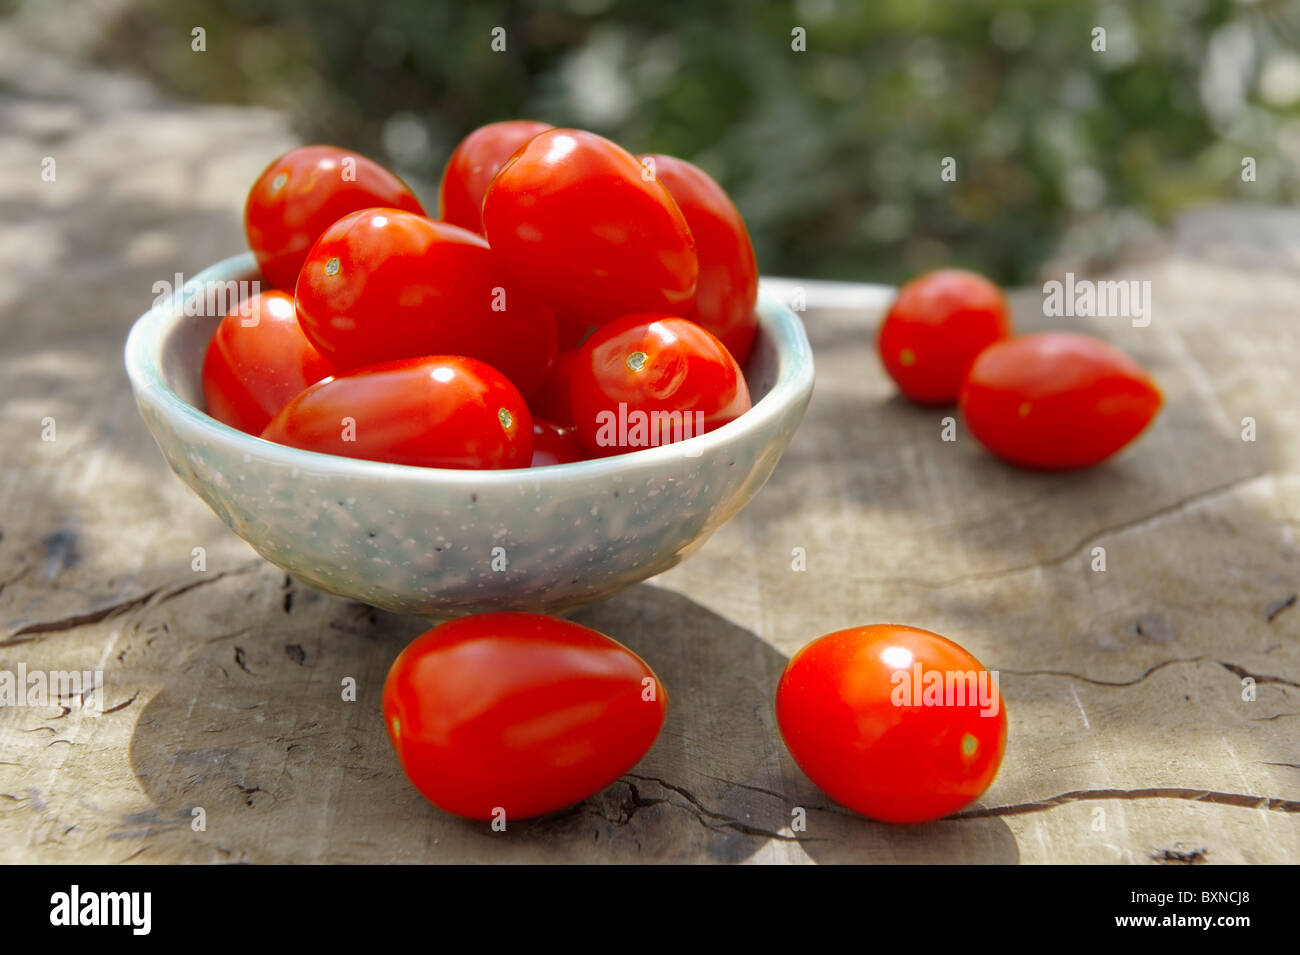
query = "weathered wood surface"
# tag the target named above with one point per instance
(1130, 740)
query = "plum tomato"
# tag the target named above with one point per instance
(649, 379)
(898, 724)
(936, 327)
(728, 285)
(518, 713)
(382, 284)
(299, 195)
(553, 401)
(579, 222)
(555, 444)
(1057, 400)
(472, 166)
(440, 411)
(257, 361)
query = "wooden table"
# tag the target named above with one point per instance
(1130, 739)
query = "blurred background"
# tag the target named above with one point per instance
(833, 154)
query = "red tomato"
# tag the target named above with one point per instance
(728, 286)
(437, 412)
(573, 332)
(874, 716)
(473, 165)
(518, 712)
(577, 223)
(257, 361)
(553, 402)
(555, 444)
(299, 195)
(1057, 400)
(381, 284)
(648, 380)
(935, 329)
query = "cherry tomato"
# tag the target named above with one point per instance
(728, 286)
(555, 444)
(580, 223)
(299, 195)
(936, 327)
(473, 165)
(518, 712)
(895, 723)
(1057, 400)
(440, 411)
(573, 332)
(650, 379)
(553, 402)
(257, 361)
(381, 284)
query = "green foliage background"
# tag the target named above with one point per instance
(832, 154)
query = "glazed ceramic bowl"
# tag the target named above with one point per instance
(442, 542)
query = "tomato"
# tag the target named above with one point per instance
(573, 332)
(555, 444)
(440, 411)
(553, 401)
(299, 195)
(650, 379)
(868, 715)
(258, 360)
(728, 285)
(473, 165)
(381, 284)
(518, 712)
(935, 329)
(577, 223)
(1057, 400)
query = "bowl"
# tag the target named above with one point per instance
(440, 542)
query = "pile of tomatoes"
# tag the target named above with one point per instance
(1050, 401)
(566, 288)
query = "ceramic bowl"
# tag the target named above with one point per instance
(443, 542)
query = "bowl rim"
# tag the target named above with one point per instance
(143, 358)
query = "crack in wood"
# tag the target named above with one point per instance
(34, 631)
(1239, 800)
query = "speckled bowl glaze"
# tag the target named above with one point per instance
(445, 542)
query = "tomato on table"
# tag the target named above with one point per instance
(473, 165)
(1057, 400)
(860, 714)
(935, 329)
(258, 360)
(649, 379)
(728, 286)
(518, 712)
(578, 221)
(302, 193)
(383, 284)
(555, 444)
(440, 411)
